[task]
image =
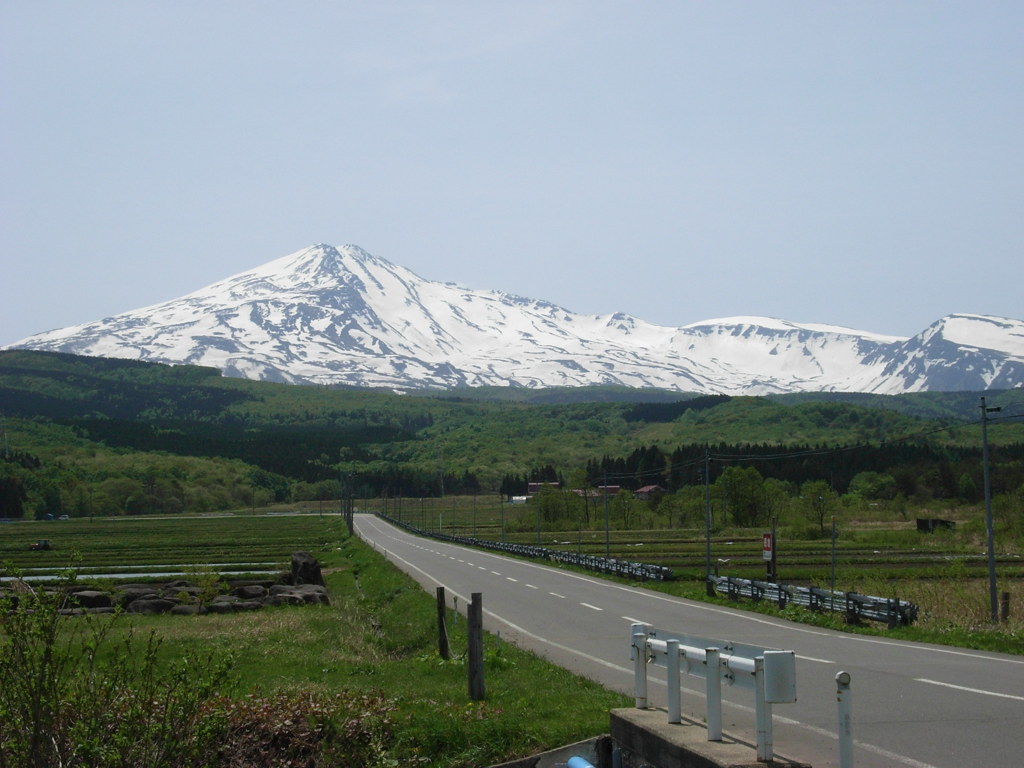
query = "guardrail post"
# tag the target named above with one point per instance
(675, 714)
(638, 652)
(442, 627)
(475, 651)
(713, 685)
(762, 714)
(844, 698)
(892, 613)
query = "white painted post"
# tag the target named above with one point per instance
(638, 652)
(844, 698)
(713, 684)
(675, 714)
(762, 714)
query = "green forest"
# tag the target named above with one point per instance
(86, 436)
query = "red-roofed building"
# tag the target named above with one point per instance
(648, 490)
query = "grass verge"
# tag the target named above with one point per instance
(369, 657)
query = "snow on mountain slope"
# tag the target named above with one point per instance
(339, 316)
(958, 352)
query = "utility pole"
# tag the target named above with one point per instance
(707, 523)
(993, 604)
(607, 533)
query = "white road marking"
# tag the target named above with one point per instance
(949, 651)
(969, 690)
(591, 607)
(893, 756)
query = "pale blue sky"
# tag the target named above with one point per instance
(853, 163)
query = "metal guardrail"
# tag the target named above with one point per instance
(893, 611)
(625, 568)
(769, 673)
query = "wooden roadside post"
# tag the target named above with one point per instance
(442, 627)
(476, 648)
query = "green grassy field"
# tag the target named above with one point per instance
(153, 543)
(377, 640)
(944, 573)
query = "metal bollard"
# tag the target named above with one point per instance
(638, 651)
(762, 714)
(713, 687)
(844, 698)
(675, 709)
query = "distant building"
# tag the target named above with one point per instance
(647, 491)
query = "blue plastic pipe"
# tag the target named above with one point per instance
(579, 762)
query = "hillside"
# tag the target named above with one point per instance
(89, 422)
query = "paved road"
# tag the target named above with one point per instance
(914, 704)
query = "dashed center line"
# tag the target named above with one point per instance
(555, 594)
(591, 607)
(511, 579)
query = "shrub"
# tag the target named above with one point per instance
(72, 695)
(77, 692)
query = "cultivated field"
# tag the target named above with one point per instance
(944, 573)
(355, 683)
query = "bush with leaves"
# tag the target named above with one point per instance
(75, 695)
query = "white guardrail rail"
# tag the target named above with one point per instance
(770, 673)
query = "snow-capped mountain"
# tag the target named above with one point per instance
(339, 316)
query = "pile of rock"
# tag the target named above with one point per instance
(185, 597)
(304, 586)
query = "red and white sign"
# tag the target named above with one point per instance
(767, 544)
